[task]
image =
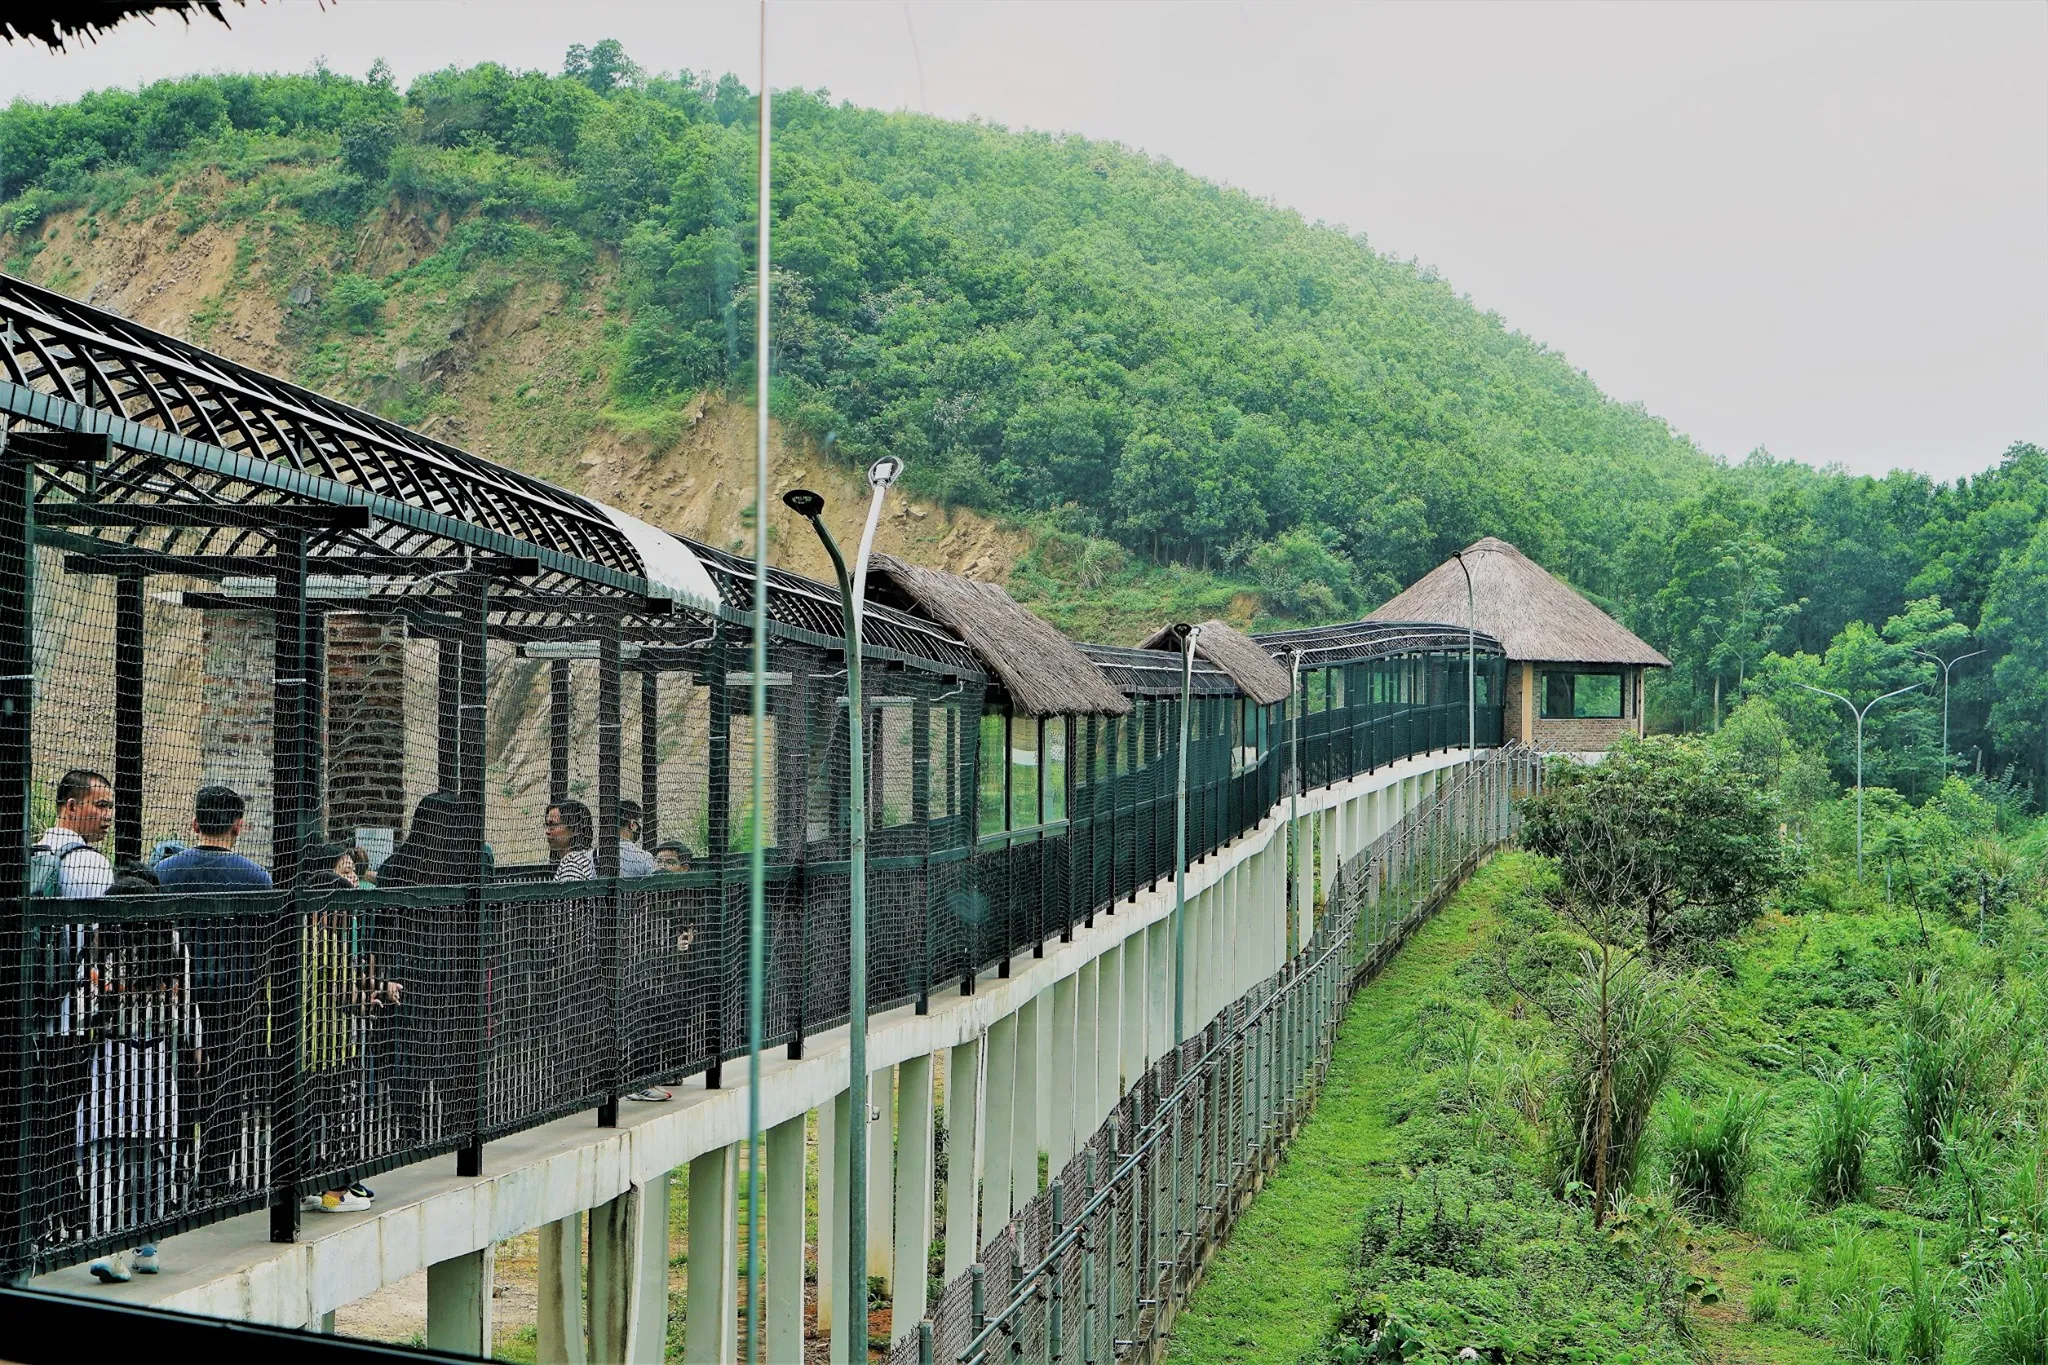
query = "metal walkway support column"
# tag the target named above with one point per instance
(963, 1115)
(558, 1328)
(783, 1268)
(881, 1176)
(913, 1192)
(998, 1113)
(459, 1303)
(712, 1335)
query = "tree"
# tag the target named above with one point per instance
(1662, 846)
(2016, 619)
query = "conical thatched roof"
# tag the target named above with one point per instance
(1237, 654)
(1039, 667)
(1515, 600)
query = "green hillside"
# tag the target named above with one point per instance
(1190, 399)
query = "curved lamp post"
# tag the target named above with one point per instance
(1946, 665)
(1471, 694)
(852, 597)
(1187, 635)
(1298, 922)
(1859, 714)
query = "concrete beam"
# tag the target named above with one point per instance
(628, 1293)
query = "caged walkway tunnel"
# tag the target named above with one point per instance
(470, 679)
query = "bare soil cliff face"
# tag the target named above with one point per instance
(512, 370)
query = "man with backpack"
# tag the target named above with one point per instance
(65, 863)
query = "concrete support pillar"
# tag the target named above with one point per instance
(1327, 869)
(882, 1177)
(1304, 879)
(459, 1303)
(1066, 1055)
(712, 1336)
(1041, 1098)
(1024, 1114)
(834, 1149)
(1159, 1036)
(1087, 1020)
(913, 1191)
(963, 1114)
(999, 1106)
(1132, 1034)
(1108, 1056)
(326, 1324)
(629, 1274)
(558, 1328)
(782, 1315)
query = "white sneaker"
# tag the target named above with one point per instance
(145, 1259)
(342, 1201)
(111, 1269)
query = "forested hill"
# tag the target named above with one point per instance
(1190, 399)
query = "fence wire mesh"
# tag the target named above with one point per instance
(1093, 1268)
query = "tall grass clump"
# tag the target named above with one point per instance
(1710, 1149)
(2012, 1316)
(1628, 1020)
(1844, 1127)
(1924, 1321)
(1946, 1040)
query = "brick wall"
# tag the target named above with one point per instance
(235, 732)
(366, 733)
(1581, 736)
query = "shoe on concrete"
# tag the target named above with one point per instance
(342, 1201)
(653, 1094)
(145, 1259)
(111, 1269)
(362, 1191)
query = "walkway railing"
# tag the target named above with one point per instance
(1094, 1268)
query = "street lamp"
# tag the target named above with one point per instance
(852, 598)
(1946, 665)
(1859, 752)
(1471, 686)
(1187, 635)
(1298, 927)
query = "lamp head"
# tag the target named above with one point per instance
(884, 471)
(804, 502)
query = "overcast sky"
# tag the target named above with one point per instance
(1817, 228)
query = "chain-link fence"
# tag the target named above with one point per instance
(1093, 1269)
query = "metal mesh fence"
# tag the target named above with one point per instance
(487, 857)
(1093, 1268)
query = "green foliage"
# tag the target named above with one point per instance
(1712, 1150)
(1924, 1321)
(1843, 1128)
(1665, 845)
(1624, 1033)
(2012, 1318)
(353, 302)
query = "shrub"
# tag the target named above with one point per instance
(354, 302)
(1710, 1149)
(1844, 1125)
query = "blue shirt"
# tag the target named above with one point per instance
(211, 869)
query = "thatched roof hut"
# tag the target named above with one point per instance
(1534, 616)
(1040, 668)
(1237, 654)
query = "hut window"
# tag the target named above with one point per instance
(994, 769)
(1569, 694)
(1024, 772)
(1056, 769)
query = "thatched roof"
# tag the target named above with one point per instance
(1515, 600)
(1237, 654)
(56, 24)
(1039, 667)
